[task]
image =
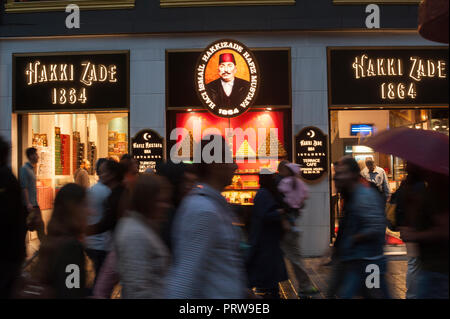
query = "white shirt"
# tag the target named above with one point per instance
(97, 196)
(228, 87)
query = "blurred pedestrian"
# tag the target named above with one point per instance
(182, 178)
(27, 179)
(294, 193)
(98, 245)
(142, 257)
(265, 263)
(81, 175)
(376, 175)
(13, 225)
(406, 201)
(431, 233)
(207, 261)
(61, 255)
(360, 241)
(112, 175)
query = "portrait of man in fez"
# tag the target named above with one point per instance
(228, 91)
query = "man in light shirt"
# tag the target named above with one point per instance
(228, 91)
(376, 175)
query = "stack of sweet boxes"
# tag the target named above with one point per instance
(58, 166)
(65, 154)
(75, 150)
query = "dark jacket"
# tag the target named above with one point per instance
(218, 96)
(265, 263)
(363, 214)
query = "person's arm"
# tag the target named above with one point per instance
(386, 189)
(192, 244)
(23, 179)
(85, 179)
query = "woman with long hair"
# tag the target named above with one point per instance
(61, 263)
(142, 257)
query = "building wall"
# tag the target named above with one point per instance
(147, 87)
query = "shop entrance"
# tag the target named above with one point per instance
(64, 142)
(349, 127)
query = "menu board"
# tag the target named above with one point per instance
(311, 152)
(147, 149)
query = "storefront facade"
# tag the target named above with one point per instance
(151, 115)
(148, 108)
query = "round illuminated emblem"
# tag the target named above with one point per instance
(227, 78)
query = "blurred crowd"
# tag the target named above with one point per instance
(169, 233)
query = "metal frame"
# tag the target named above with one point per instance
(205, 3)
(376, 106)
(68, 53)
(60, 5)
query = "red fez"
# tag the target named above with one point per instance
(226, 57)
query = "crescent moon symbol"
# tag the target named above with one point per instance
(145, 136)
(311, 133)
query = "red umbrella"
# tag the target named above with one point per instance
(427, 149)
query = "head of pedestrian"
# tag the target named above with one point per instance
(85, 164)
(216, 166)
(70, 211)
(267, 180)
(181, 176)
(347, 174)
(98, 167)
(32, 155)
(370, 164)
(131, 169)
(111, 173)
(283, 170)
(150, 197)
(4, 152)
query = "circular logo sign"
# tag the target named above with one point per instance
(227, 78)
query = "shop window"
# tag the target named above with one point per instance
(17, 6)
(65, 141)
(204, 3)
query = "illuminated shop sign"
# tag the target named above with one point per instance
(227, 78)
(74, 81)
(311, 152)
(381, 76)
(147, 148)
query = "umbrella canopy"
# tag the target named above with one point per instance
(427, 149)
